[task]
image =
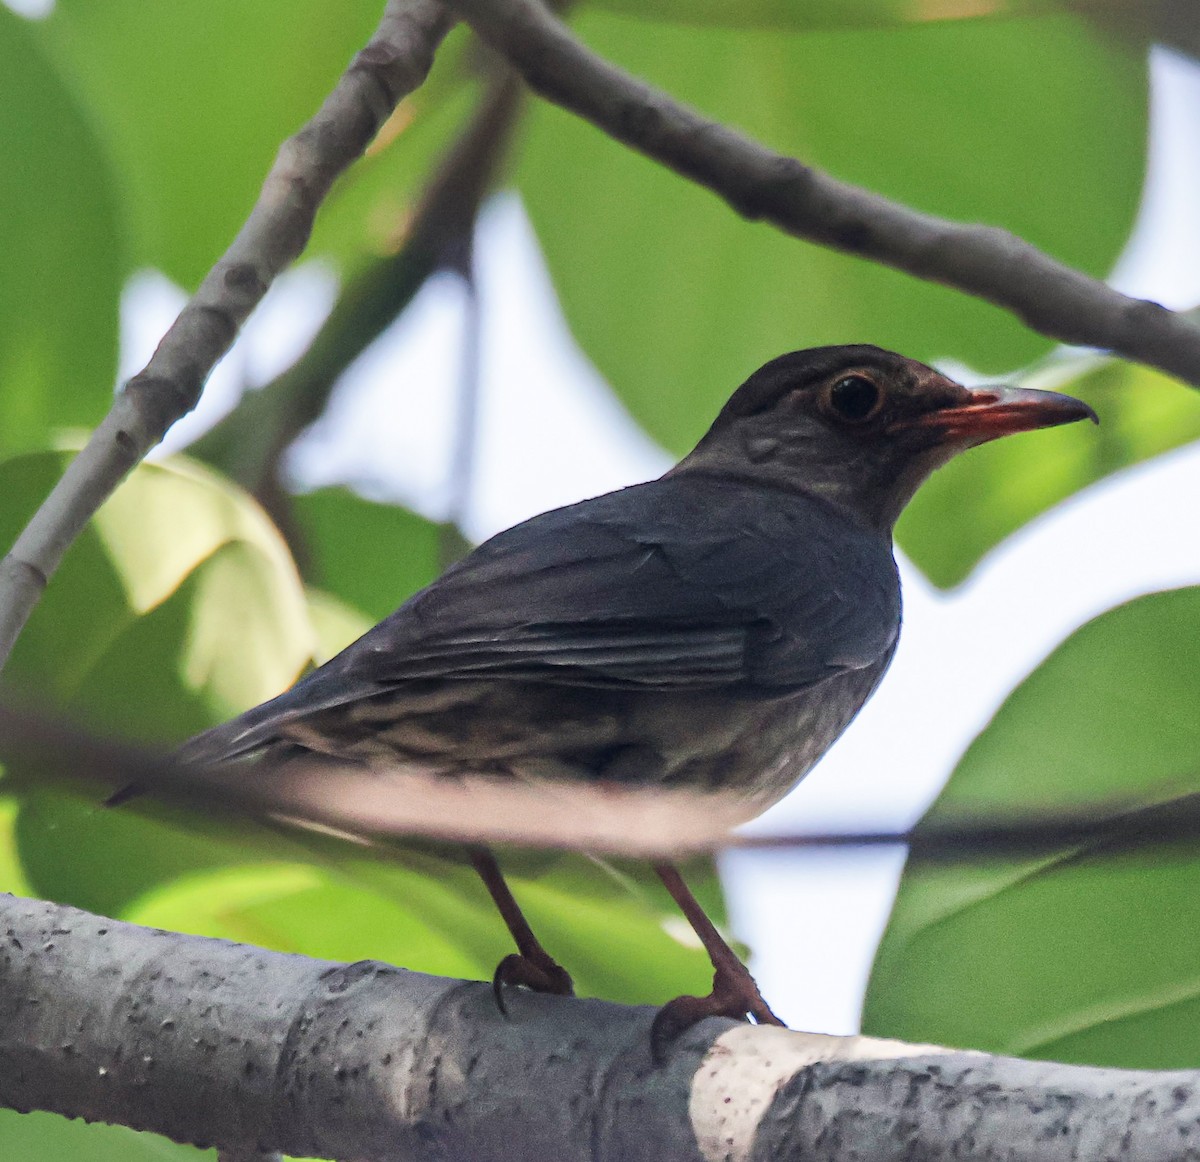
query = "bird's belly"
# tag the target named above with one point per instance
(753, 746)
(760, 748)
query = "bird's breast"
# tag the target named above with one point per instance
(759, 747)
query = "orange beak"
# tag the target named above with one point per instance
(985, 413)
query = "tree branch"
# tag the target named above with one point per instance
(984, 261)
(210, 1042)
(393, 63)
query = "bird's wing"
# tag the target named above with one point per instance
(673, 583)
(669, 585)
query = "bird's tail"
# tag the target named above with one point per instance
(219, 744)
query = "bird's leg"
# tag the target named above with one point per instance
(734, 992)
(531, 965)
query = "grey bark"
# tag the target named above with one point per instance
(211, 1042)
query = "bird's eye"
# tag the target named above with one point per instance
(853, 398)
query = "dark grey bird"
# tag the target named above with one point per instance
(715, 629)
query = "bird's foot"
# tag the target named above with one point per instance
(537, 970)
(734, 994)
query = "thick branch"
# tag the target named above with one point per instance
(758, 183)
(392, 64)
(206, 1041)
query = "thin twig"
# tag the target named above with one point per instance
(381, 806)
(393, 63)
(984, 261)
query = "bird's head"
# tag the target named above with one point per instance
(862, 427)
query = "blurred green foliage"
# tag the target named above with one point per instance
(63, 235)
(337, 525)
(137, 135)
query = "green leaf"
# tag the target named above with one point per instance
(152, 533)
(62, 238)
(12, 875)
(1084, 955)
(335, 623)
(72, 619)
(676, 299)
(76, 851)
(229, 637)
(431, 914)
(248, 636)
(321, 912)
(193, 101)
(980, 498)
(43, 1137)
(372, 555)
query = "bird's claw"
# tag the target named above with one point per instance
(735, 996)
(537, 971)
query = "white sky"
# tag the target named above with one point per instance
(551, 432)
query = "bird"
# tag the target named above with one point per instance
(715, 629)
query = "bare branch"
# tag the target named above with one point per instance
(984, 261)
(210, 1042)
(393, 63)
